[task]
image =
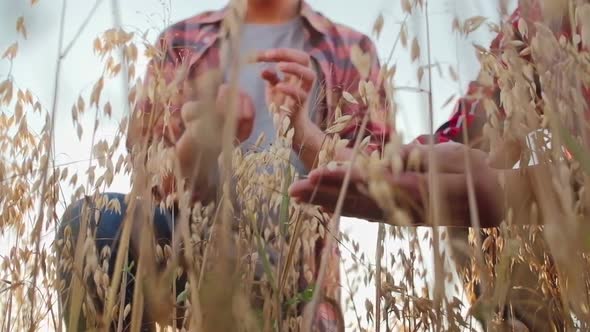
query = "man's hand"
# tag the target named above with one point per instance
(245, 112)
(172, 129)
(291, 93)
(293, 90)
(322, 187)
(291, 96)
(175, 134)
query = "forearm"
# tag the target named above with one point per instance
(309, 140)
(198, 164)
(502, 193)
(520, 193)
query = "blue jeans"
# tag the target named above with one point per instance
(107, 231)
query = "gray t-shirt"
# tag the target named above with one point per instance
(259, 37)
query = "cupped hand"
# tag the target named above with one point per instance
(322, 187)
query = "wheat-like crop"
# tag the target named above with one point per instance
(242, 262)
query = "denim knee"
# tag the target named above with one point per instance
(106, 231)
(107, 227)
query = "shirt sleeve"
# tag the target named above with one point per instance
(467, 108)
(159, 100)
(156, 95)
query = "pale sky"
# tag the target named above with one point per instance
(34, 68)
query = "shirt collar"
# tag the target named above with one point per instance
(317, 21)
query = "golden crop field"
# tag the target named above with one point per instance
(504, 248)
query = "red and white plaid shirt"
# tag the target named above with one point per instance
(468, 107)
(196, 42)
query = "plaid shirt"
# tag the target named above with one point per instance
(467, 109)
(196, 43)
